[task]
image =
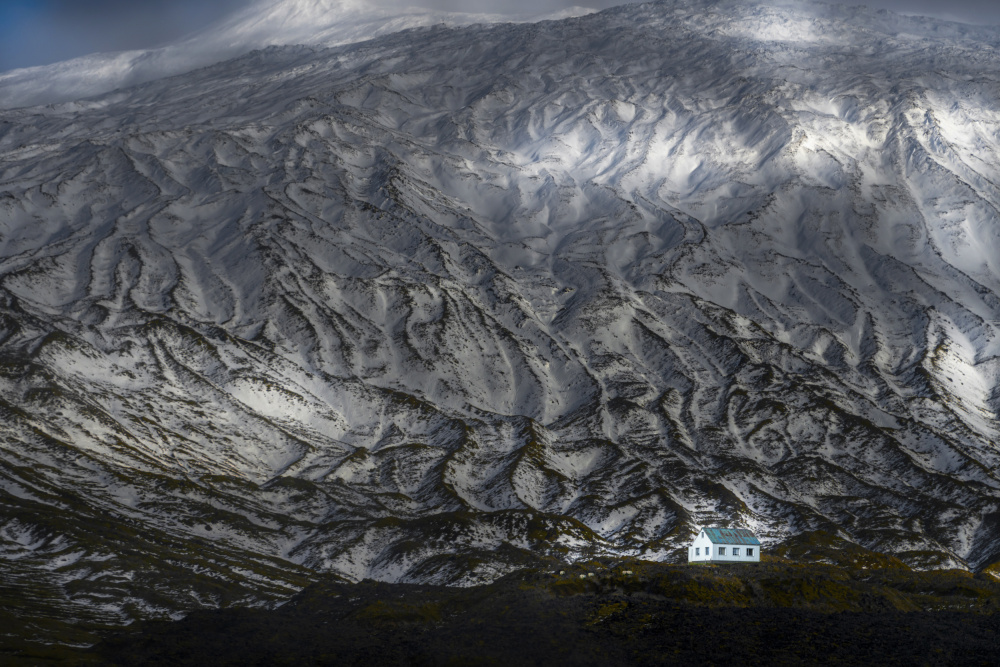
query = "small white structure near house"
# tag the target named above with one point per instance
(724, 545)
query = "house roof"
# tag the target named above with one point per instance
(730, 536)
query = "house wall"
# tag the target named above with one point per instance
(702, 543)
(729, 558)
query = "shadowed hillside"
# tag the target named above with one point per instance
(778, 613)
(596, 613)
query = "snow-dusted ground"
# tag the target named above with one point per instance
(430, 306)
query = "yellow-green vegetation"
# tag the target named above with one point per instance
(703, 587)
(619, 599)
(601, 613)
(992, 570)
(780, 583)
(382, 611)
(823, 547)
(827, 594)
(605, 611)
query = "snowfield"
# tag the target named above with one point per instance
(455, 299)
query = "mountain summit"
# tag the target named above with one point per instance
(457, 300)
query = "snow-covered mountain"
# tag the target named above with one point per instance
(453, 300)
(263, 23)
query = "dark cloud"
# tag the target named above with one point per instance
(35, 32)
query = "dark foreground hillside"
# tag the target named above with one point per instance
(775, 613)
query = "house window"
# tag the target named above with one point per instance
(749, 553)
(736, 551)
(697, 551)
(722, 551)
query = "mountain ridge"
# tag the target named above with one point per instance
(262, 24)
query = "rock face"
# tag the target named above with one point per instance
(433, 306)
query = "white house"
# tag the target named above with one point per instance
(724, 545)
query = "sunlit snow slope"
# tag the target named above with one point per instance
(453, 300)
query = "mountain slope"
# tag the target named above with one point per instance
(453, 301)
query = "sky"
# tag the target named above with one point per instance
(39, 32)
